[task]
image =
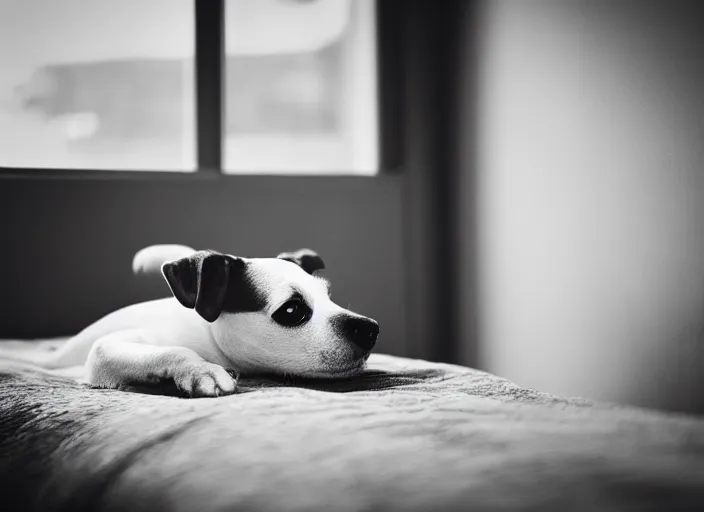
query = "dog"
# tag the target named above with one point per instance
(228, 316)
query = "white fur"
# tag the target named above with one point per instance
(259, 344)
(162, 340)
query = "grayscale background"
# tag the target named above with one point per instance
(538, 210)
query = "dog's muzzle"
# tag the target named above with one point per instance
(360, 331)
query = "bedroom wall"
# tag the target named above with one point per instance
(587, 156)
(67, 244)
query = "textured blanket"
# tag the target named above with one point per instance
(406, 435)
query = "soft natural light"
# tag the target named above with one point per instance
(301, 87)
(98, 84)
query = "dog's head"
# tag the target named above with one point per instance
(273, 314)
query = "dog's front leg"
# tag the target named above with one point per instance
(124, 359)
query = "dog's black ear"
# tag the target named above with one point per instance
(200, 281)
(307, 259)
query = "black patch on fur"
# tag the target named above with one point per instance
(182, 277)
(213, 280)
(307, 259)
(242, 295)
(211, 283)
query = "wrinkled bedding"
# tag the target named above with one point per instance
(405, 435)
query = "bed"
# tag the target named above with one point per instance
(406, 435)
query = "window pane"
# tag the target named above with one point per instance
(301, 87)
(97, 84)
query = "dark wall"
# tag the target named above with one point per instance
(67, 245)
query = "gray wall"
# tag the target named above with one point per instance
(588, 160)
(67, 245)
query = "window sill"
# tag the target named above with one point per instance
(198, 175)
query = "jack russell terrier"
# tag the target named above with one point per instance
(245, 315)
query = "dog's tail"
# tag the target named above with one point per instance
(149, 259)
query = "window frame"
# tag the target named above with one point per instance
(210, 112)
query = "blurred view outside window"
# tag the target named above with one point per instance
(97, 84)
(300, 87)
(109, 84)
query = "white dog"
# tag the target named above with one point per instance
(246, 315)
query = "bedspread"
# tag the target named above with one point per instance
(405, 435)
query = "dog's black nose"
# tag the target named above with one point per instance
(363, 332)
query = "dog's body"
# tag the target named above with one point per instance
(258, 315)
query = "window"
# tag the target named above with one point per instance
(99, 84)
(300, 86)
(110, 84)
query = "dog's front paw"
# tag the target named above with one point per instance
(204, 380)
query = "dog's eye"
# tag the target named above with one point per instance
(294, 313)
